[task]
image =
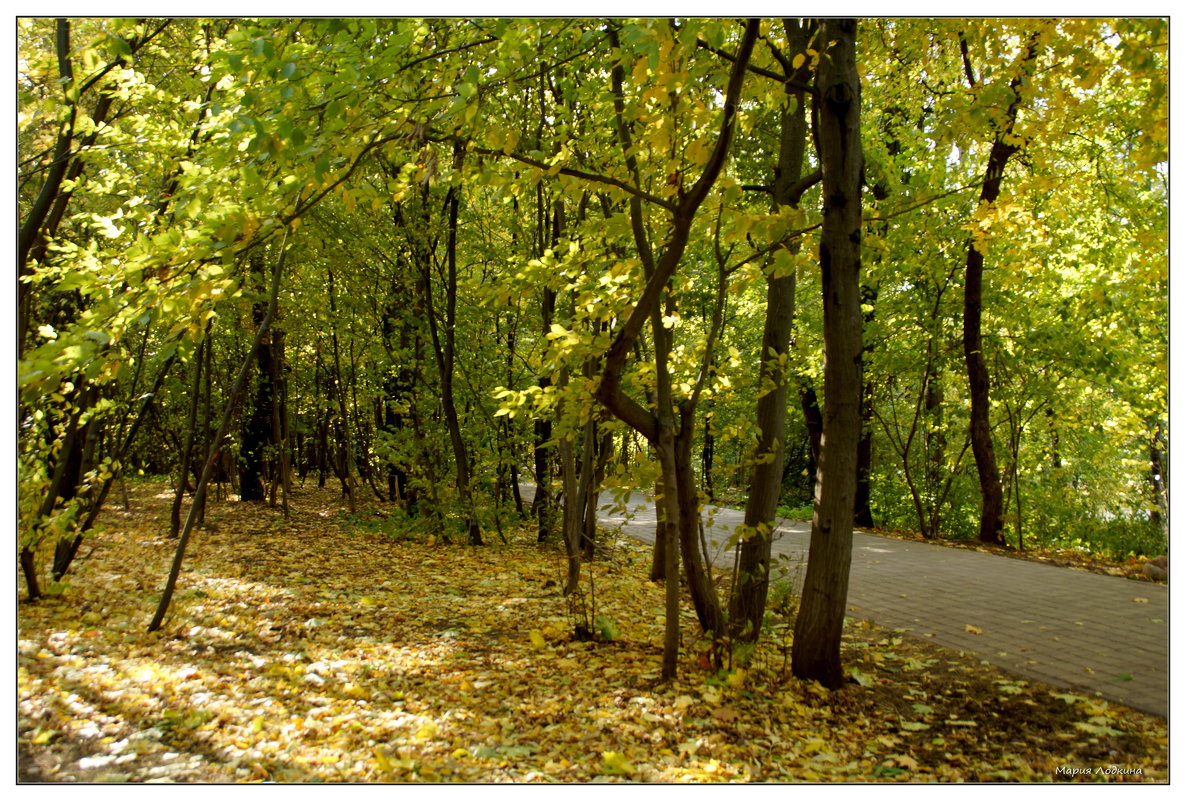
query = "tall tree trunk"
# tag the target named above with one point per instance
(991, 493)
(257, 425)
(65, 552)
(445, 355)
(697, 567)
(344, 457)
(748, 600)
(576, 483)
(605, 452)
(813, 421)
(934, 444)
(863, 515)
(837, 126)
(397, 389)
(708, 458)
(281, 479)
(544, 505)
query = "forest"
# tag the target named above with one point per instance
(414, 298)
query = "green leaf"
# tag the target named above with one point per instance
(1096, 728)
(863, 679)
(606, 629)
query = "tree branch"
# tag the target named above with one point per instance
(765, 73)
(582, 174)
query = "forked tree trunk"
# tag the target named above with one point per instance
(658, 426)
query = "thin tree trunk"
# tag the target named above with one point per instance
(281, 478)
(345, 452)
(863, 516)
(65, 556)
(748, 599)
(31, 227)
(697, 567)
(208, 470)
(575, 487)
(206, 403)
(1158, 477)
(543, 506)
(813, 421)
(190, 436)
(445, 354)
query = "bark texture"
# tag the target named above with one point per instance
(837, 120)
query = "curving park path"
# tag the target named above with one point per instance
(1066, 627)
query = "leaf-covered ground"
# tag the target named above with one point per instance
(323, 648)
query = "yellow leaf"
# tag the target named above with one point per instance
(907, 762)
(725, 714)
(511, 143)
(798, 60)
(616, 763)
(459, 753)
(44, 737)
(427, 731)
(973, 629)
(537, 640)
(813, 746)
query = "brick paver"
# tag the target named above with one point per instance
(1070, 628)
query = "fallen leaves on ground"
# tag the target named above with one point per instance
(322, 648)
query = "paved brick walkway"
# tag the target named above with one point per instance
(1066, 627)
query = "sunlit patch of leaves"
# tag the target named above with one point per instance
(298, 651)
